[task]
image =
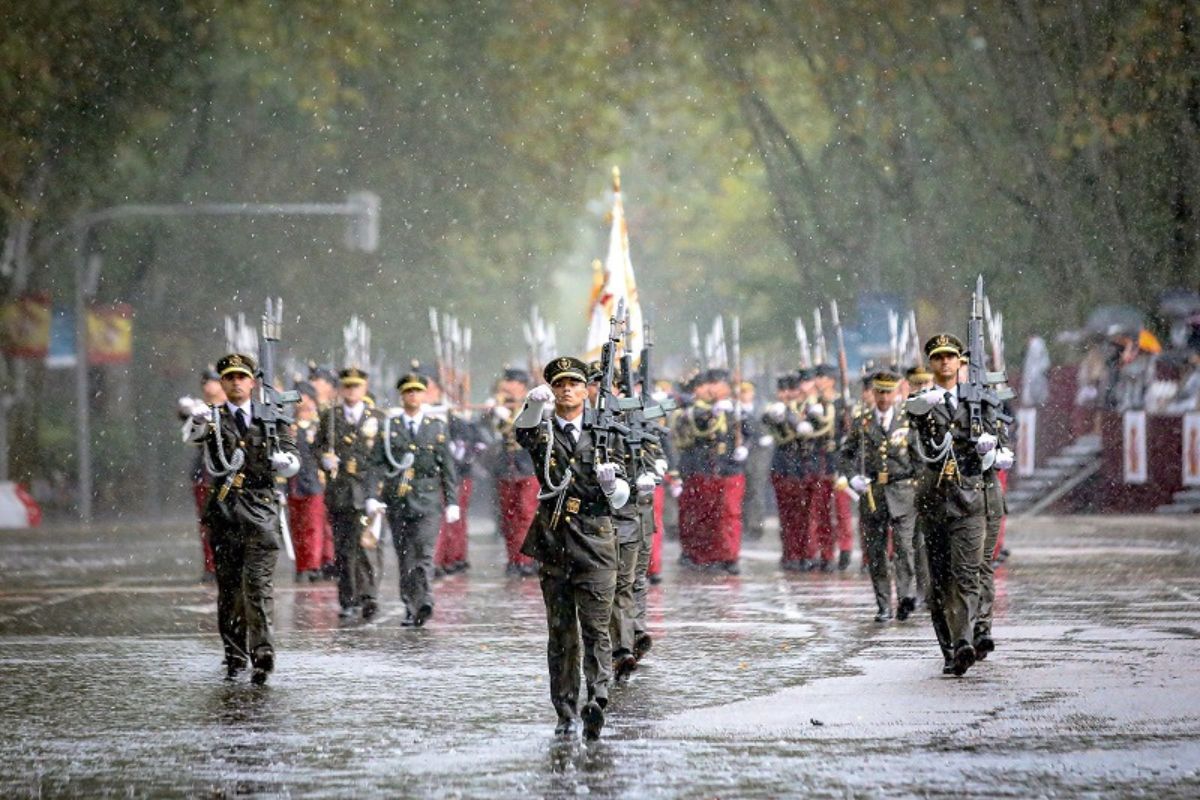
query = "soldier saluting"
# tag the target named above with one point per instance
(242, 513)
(573, 538)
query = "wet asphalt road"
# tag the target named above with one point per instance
(762, 685)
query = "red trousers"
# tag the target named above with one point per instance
(200, 490)
(518, 503)
(656, 540)
(791, 495)
(307, 519)
(845, 522)
(451, 547)
(819, 496)
(710, 517)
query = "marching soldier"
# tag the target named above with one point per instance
(875, 453)
(347, 436)
(464, 441)
(573, 539)
(820, 465)
(997, 510)
(513, 470)
(324, 382)
(412, 476)
(953, 499)
(212, 394)
(919, 379)
(306, 492)
(243, 514)
(785, 421)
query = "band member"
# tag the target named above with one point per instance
(243, 514)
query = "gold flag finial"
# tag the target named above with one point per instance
(616, 179)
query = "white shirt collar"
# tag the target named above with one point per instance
(245, 407)
(885, 417)
(416, 420)
(354, 413)
(576, 425)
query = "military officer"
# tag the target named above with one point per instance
(953, 498)
(784, 420)
(573, 539)
(997, 508)
(211, 394)
(875, 453)
(919, 378)
(412, 477)
(347, 434)
(306, 494)
(243, 513)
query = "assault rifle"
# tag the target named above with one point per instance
(638, 409)
(275, 407)
(607, 423)
(980, 389)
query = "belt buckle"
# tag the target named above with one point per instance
(573, 505)
(882, 478)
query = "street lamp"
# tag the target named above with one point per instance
(360, 208)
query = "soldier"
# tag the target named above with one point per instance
(821, 465)
(758, 463)
(953, 499)
(784, 420)
(464, 441)
(243, 514)
(306, 492)
(712, 466)
(919, 379)
(347, 436)
(573, 539)
(211, 395)
(997, 509)
(841, 524)
(324, 382)
(875, 453)
(412, 490)
(513, 470)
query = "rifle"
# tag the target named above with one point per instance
(607, 425)
(843, 368)
(639, 409)
(979, 391)
(275, 406)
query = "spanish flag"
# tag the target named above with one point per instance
(27, 326)
(615, 283)
(110, 334)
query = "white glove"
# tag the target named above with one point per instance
(741, 453)
(606, 474)
(330, 462)
(776, 411)
(804, 428)
(1004, 458)
(458, 449)
(765, 440)
(285, 465)
(646, 483)
(661, 466)
(201, 414)
(676, 489)
(725, 405)
(985, 444)
(480, 447)
(502, 413)
(190, 406)
(859, 484)
(375, 507)
(815, 410)
(453, 513)
(540, 394)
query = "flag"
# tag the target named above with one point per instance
(617, 284)
(27, 326)
(110, 334)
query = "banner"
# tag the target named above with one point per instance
(110, 334)
(1133, 445)
(1026, 441)
(1191, 449)
(27, 326)
(614, 283)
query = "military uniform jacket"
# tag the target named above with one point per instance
(353, 445)
(956, 486)
(792, 452)
(584, 537)
(431, 480)
(821, 455)
(706, 440)
(881, 455)
(507, 459)
(250, 499)
(308, 481)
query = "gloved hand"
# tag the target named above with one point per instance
(189, 406)
(330, 461)
(725, 405)
(201, 414)
(458, 449)
(453, 513)
(1004, 458)
(675, 488)
(776, 411)
(985, 444)
(502, 413)
(541, 394)
(765, 440)
(646, 482)
(859, 484)
(741, 453)
(805, 428)
(606, 474)
(375, 507)
(661, 466)
(815, 410)
(285, 465)
(480, 447)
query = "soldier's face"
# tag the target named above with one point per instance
(515, 390)
(569, 395)
(411, 399)
(945, 366)
(237, 386)
(353, 394)
(324, 390)
(214, 395)
(307, 407)
(884, 400)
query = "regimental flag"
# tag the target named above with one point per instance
(615, 283)
(110, 334)
(27, 326)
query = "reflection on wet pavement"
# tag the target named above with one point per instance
(761, 685)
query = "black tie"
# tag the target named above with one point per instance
(412, 428)
(240, 416)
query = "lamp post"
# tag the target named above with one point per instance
(360, 208)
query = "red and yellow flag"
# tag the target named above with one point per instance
(27, 326)
(110, 334)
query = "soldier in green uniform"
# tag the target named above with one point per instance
(875, 453)
(953, 498)
(919, 378)
(573, 539)
(412, 476)
(347, 434)
(243, 513)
